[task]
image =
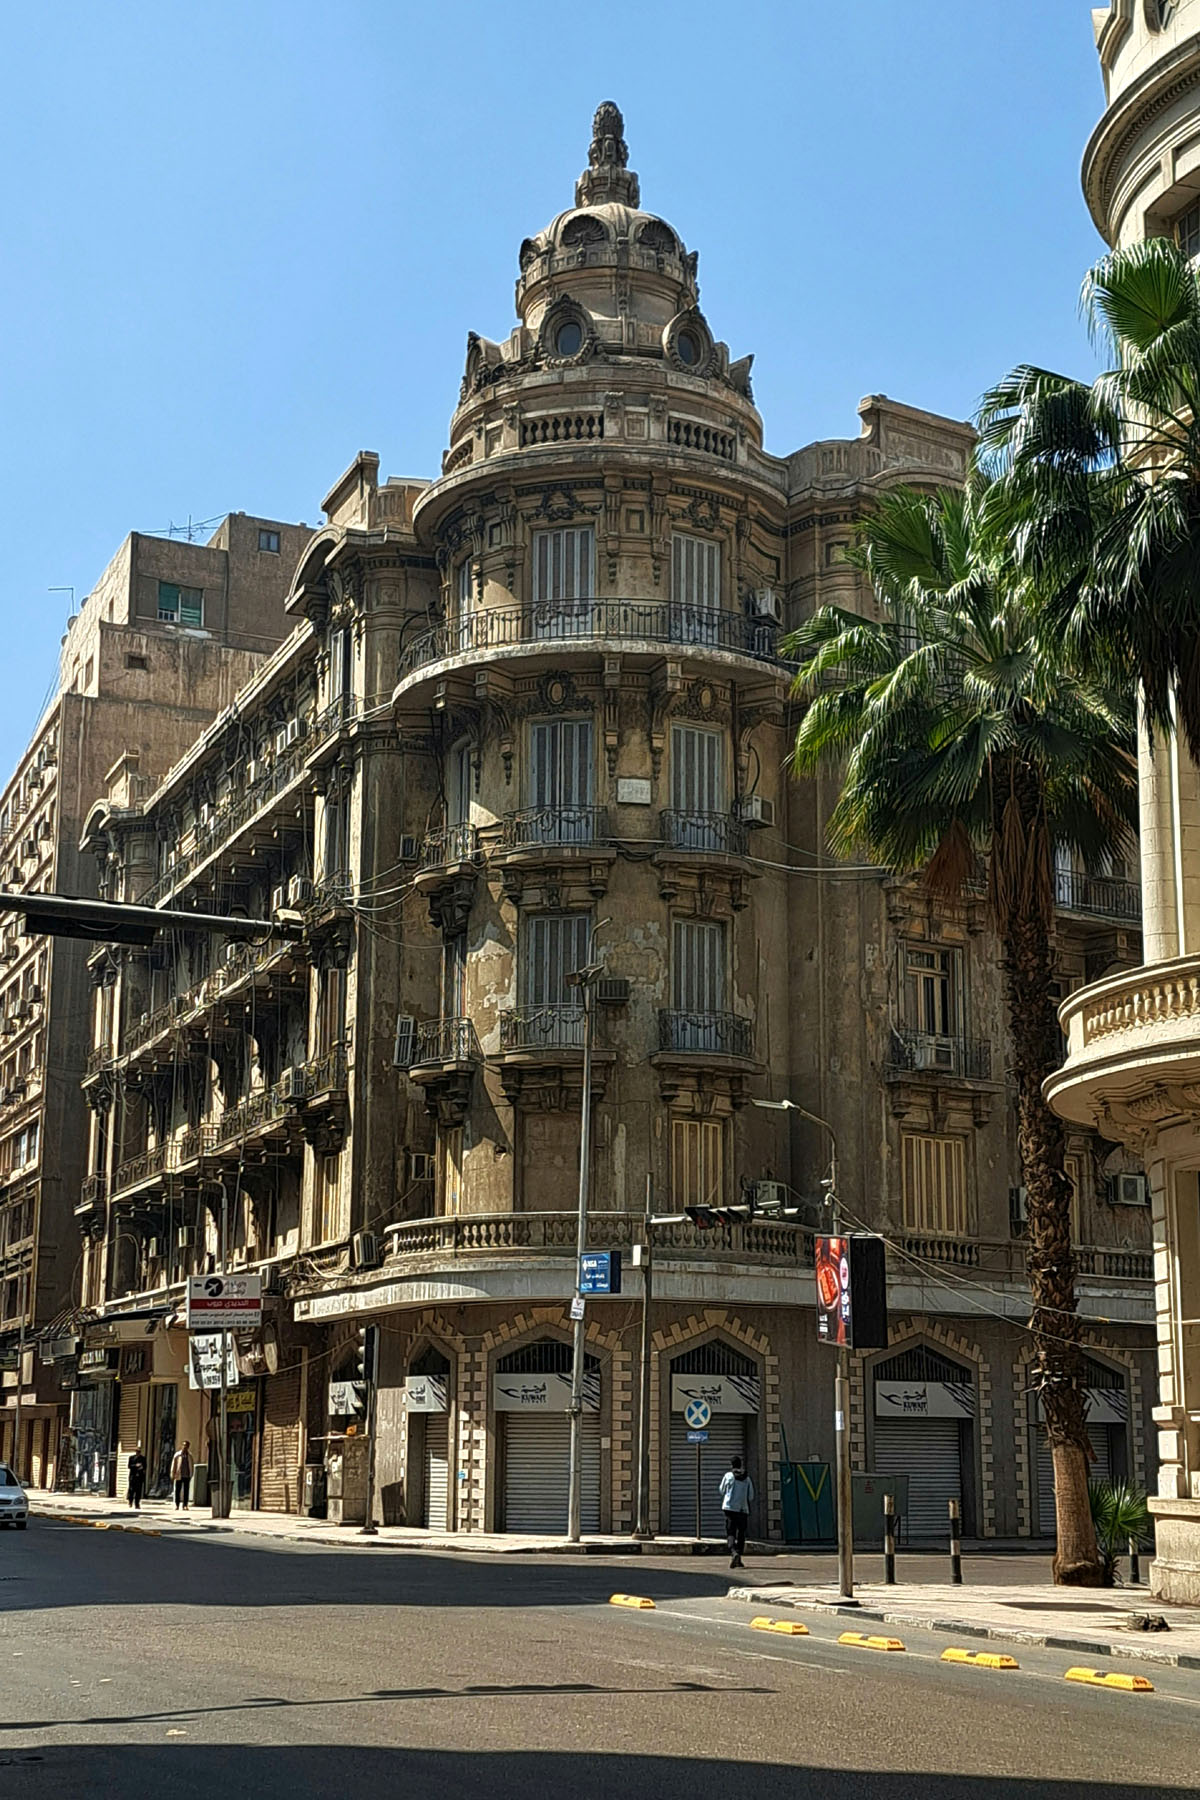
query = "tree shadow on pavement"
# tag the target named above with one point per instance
(189, 1771)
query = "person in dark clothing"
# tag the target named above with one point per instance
(137, 1479)
(737, 1497)
(181, 1474)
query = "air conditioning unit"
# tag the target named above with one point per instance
(185, 1237)
(364, 1250)
(1128, 1190)
(612, 990)
(278, 898)
(17, 1088)
(769, 1196)
(410, 849)
(406, 1042)
(35, 994)
(254, 769)
(9, 953)
(291, 732)
(22, 1010)
(757, 812)
(766, 604)
(292, 1084)
(300, 891)
(1018, 1210)
(34, 778)
(422, 1165)
(932, 1053)
(153, 1249)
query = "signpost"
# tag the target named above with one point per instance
(696, 1415)
(600, 1272)
(224, 1303)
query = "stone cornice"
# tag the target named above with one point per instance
(1137, 108)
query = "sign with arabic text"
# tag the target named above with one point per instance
(543, 1393)
(720, 1393)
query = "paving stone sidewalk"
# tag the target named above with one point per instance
(1098, 1621)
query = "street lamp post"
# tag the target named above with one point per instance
(584, 979)
(841, 1385)
(642, 1530)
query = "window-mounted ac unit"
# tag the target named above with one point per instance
(292, 732)
(300, 890)
(278, 898)
(364, 1250)
(410, 849)
(1128, 1190)
(932, 1053)
(765, 603)
(22, 1009)
(1018, 1210)
(421, 1165)
(757, 812)
(291, 1084)
(185, 1237)
(35, 994)
(153, 1249)
(406, 1041)
(769, 1196)
(612, 990)
(9, 953)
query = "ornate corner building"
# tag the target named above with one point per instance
(535, 713)
(1133, 1064)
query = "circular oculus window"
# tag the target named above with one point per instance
(688, 348)
(568, 339)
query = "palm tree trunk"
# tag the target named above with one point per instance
(1057, 1372)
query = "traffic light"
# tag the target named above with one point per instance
(364, 1354)
(707, 1218)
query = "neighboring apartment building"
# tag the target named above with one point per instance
(1133, 1064)
(170, 633)
(535, 711)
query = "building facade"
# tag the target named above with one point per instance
(1133, 1060)
(166, 638)
(535, 713)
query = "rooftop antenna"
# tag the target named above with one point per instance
(65, 590)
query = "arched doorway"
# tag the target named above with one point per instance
(728, 1381)
(1108, 1434)
(531, 1394)
(427, 1404)
(925, 1405)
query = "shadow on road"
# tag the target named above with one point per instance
(198, 1771)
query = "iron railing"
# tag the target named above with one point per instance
(542, 1028)
(718, 833)
(924, 1053)
(452, 844)
(1103, 896)
(446, 1041)
(93, 1190)
(706, 1033)
(593, 621)
(98, 1059)
(555, 827)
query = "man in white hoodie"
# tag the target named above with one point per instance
(737, 1497)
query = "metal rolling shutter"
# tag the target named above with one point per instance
(279, 1468)
(127, 1434)
(926, 1450)
(726, 1438)
(1101, 1470)
(437, 1470)
(537, 1472)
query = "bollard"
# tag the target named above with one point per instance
(889, 1540)
(1135, 1564)
(955, 1544)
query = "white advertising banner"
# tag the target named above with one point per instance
(924, 1399)
(224, 1302)
(1106, 1406)
(426, 1393)
(204, 1360)
(543, 1393)
(722, 1393)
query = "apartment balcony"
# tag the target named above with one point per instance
(926, 1056)
(443, 1067)
(99, 1061)
(93, 1195)
(541, 1028)
(704, 834)
(559, 844)
(718, 1040)
(1133, 1050)
(317, 1094)
(543, 635)
(703, 850)
(541, 1056)
(454, 847)
(1098, 897)
(446, 876)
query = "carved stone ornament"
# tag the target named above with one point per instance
(697, 355)
(559, 503)
(703, 511)
(608, 175)
(702, 701)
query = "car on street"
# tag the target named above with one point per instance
(14, 1506)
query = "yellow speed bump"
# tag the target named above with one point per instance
(862, 1642)
(789, 1627)
(980, 1659)
(1131, 1684)
(637, 1601)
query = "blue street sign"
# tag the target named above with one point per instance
(697, 1437)
(600, 1272)
(697, 1413)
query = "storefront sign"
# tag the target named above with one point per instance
(924, 1399)
(427, 1393)
(224, 1303)
(1106, 1406)
(543, 1393)
(721, 1393)
(240, 1400)
(204, 1360)
(135, 1362)
(600, 1272)
(59, 1349)
(98, 1361)
(347, 1399)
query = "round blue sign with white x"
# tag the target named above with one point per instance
(697, 1413)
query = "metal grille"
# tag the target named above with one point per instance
(713, 1358)
(437, 1470)
(921, 1364)
(546, 1357)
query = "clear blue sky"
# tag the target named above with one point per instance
(244, 241)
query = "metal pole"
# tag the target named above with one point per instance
(955, 1543)
(20, 1378)
(222, 1506)
(699, 1494)
(1135, 1564)
(642, 1528)
(889, 1540)
(574, 1497)
(369, 1527)
(845, 1487)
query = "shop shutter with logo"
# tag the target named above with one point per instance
(537, 1472)
(279, 1465)
(726, 1439)
(437, 1470)
(1101, 1470)
(927, 1451)
(127, 1432)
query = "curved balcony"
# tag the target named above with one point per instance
(631, 627)
(922, 1053)
(467, 1236)
(555, 828)
(446, 876)
(443, 1067)
(703, 833)
(1133, 1049)
(542, 1028)
(724, 1036)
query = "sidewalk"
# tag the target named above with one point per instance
(1098, 1621)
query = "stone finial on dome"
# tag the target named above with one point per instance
(607, 176)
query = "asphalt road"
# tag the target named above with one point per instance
(135, 1666)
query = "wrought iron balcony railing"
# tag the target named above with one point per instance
(93, 1190)
(593, 621)
(542, 1028)
(555, 827)
(924, 1053)
(719, 833)
(706, 1033)
(1102, 896)
(452, 844)
(98, 1059)
(446, 1041)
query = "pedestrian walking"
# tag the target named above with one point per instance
(181, 1474)
(737, 1497)
(137, 1480)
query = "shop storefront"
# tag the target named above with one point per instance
(924, 1422)
(727, 1382)
(427, 1405)
(94, 1412)
(531, 1394)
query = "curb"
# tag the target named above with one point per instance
(1175, 1659)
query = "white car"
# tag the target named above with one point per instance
(14, 1507)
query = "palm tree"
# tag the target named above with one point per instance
(1104, 480)
(960, 734)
